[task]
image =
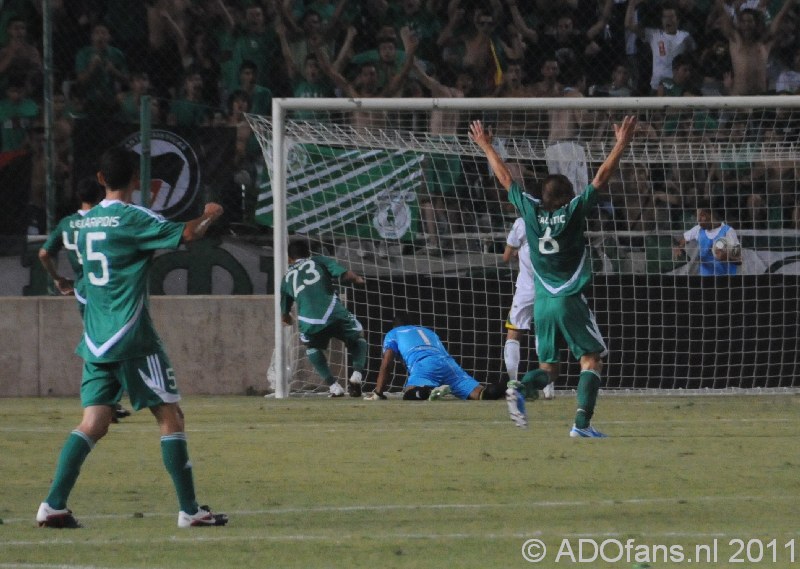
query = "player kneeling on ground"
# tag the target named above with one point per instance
(432, 372)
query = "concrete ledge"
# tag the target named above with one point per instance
(218, 345)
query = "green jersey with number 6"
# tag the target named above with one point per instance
(310, 283)
(116, 242)
(560, 257)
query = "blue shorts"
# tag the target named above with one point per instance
(434, 371)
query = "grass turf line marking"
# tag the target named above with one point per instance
(222, 537)
(148, 428)
(391, 507)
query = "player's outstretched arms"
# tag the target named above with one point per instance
(196, 228)
(483, 138)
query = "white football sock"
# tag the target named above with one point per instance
(511, 354)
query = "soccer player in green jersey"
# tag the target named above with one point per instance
(555, 228)
(120, 347)
(65, 236)
(309, 282)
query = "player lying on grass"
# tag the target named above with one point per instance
(309, 282)
(555, 228)
(432, 372)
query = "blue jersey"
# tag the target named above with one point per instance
(413, 343)
(709, 264)
(427, 360)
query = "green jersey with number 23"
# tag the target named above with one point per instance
(309, 283)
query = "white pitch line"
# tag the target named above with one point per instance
(140, 428)
(222, 536)
(51, 566)
(395, 507)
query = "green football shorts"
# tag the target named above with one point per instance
(342, 325)
(570, 318)
(149, 381)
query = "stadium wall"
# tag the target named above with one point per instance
(218, 345)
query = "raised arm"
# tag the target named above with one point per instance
(774, 26)
(724, 19)
(430, 83)
(600, 24)
(410, 45)
(530, 34)
(345, 52)
(483, 139)
(284, 11)
(334, 75)
(227, 18)
(630, 18)
(286, 51)
(455, 15)
(196, 228)
(624, 133)
(334, 24)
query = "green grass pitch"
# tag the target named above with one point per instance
(319, 483)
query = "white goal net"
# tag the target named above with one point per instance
(394, 190)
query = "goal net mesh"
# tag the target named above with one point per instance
(404, 198)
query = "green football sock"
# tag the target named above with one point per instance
(536, 378)
(320, 363)
(588, 386)
(75, 450)
(358, 351)
(175, 453)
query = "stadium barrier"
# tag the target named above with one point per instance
(218, 345)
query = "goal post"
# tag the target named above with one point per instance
(395, 190)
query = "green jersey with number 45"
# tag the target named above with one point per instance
(116, 243)
(310, 284)
(560, 257)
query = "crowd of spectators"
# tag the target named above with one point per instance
(206, 62)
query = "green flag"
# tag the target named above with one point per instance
(367, 193)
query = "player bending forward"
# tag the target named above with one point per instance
(432, 372)
(555, 227)
(309, 282)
